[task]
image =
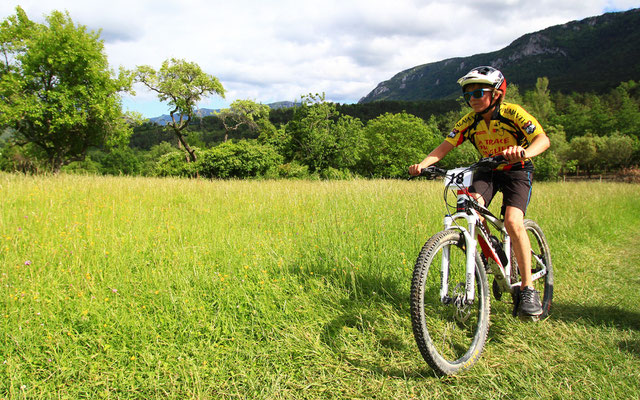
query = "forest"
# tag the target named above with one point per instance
(60, 111)
(590, 134)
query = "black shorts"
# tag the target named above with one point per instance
(514, 185)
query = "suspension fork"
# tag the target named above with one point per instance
(471, 242)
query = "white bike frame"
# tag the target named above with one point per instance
(460, 179)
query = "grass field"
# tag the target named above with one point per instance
(161, 288)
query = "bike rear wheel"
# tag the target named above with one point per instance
(450, 336)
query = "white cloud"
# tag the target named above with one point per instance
(279, 50)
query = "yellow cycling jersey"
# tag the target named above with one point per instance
(510, 125)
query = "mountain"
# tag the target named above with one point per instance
(205, 112)
(165, 118)
(594, 54)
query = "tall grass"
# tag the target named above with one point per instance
(150, 288)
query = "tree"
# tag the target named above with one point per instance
(617, 150)
(628, 111)
(56, 90)
(573, 115)
(243, 112)
(539, 100)
(182, 84)
(513, 94)
(395, 141)
(586, 151)
(321, 138)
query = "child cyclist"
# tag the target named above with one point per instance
(494, 127)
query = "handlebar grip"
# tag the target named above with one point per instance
(433, 170)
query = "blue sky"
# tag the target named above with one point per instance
(278, 50)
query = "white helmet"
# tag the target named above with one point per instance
(486, 75)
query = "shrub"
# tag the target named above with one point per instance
(149, 159)
(547, 167)
(84, 167)
(175, 164)
(243, 159)
(121, 161)
(293, 170)
(26, 159)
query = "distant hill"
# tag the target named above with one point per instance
(205, 112)
(594, 54)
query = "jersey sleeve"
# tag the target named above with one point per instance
(457, 135)
(527, 124)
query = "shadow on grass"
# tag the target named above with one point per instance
(596, 315)
(630, 346)
(361, 312)
(602, 316)
(357, 315)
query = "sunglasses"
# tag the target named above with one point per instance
(476, 94)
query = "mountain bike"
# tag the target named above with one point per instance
(450, 300)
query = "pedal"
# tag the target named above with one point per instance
(497, 293)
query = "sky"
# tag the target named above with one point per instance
(280, 50)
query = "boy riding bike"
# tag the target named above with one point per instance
(494, 127)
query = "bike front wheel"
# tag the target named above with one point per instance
(449, 334)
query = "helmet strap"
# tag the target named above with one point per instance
(492, 105)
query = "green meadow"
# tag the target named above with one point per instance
(119, 287)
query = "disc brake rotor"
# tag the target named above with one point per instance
(462, 311)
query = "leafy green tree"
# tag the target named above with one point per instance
(121, 161)
(513, 95)
(586, 151)
(617, 150)
(627, 115)
(539, 102)
(56, 89)
(573, 115)
(395, 141)
(462, 155)
(182, 84)
(558, 139)
(276, 137)
(243, 113)
(321, 138)
(601, 117)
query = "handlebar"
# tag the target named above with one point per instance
(433, 172)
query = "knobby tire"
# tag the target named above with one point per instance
(447, 341)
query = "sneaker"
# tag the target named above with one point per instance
(530, 302)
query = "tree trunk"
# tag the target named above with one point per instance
(191, 154)
(56, 164)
